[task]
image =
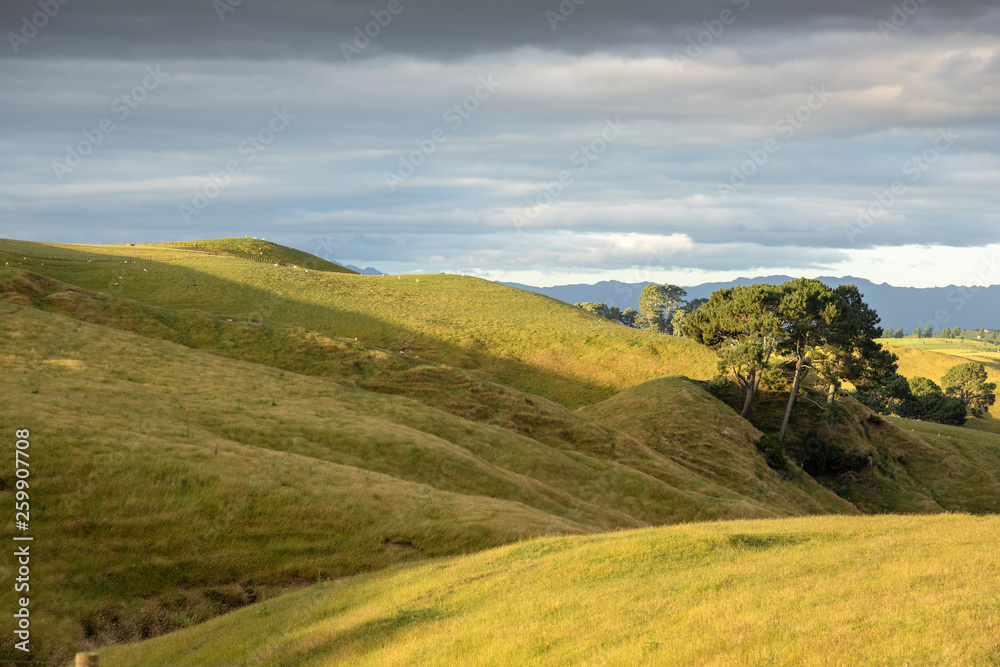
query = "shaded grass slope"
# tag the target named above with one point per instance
(885, 464)
(682, 423)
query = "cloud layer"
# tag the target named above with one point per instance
(515, 139)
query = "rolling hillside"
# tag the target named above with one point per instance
(254, 429)
(236, 480)
(526, 341)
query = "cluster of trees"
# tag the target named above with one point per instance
(627, 317)
(968, 382)
(926, 332)
(803, 326)
(830, 332)
(662, 308)
(963, 391)
(918, 398)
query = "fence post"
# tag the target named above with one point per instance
(86, 660)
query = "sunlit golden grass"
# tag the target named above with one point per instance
(819, 591)
(261, 250)
(524, 340)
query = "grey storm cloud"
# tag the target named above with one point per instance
(474, 135)
(439, 29)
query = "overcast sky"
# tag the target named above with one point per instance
(532, 141)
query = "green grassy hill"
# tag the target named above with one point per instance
(253, 428)
(817, 591)
(237, 480)
(524, 340)
(262, 251)
(27, 253)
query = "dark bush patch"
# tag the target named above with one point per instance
(774, 453)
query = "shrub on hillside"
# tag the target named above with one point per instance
(817, 455)
(774, 453)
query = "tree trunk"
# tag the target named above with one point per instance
(791, 398)
(750, 393)
(831, 392)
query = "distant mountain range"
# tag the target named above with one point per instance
(367, 271)
(906, 307)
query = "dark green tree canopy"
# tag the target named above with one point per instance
(967, 382)
(829, 331)
(921, 386)
(918, 398)
(851, 352)
(742, 326)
